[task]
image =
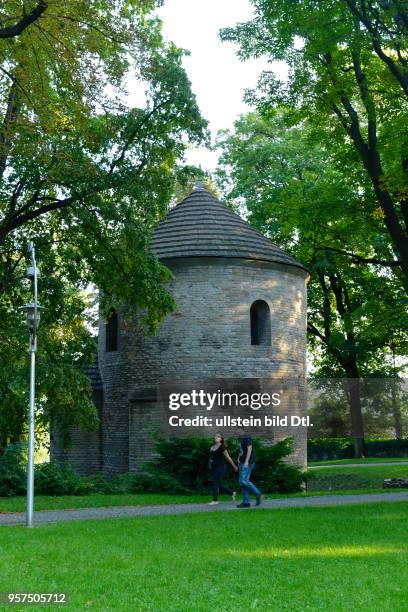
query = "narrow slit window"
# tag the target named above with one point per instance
(112, 331)
(260, 323)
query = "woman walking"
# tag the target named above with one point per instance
(218, 454)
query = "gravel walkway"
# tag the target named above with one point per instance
(57, 516)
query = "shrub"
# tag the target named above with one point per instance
(119, 484)
(182, 467)
(56, 478)
(155, 481)
(273, 475)
(323, 449)
(13, 476)
(387, 448)
(185, 460)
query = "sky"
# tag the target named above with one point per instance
(218, 77)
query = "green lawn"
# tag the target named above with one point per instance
(342, 481)
(354, 477)
(97, 500)
(331, 559)
(44, 502)
(366, 460)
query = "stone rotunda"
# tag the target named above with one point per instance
(241, 313)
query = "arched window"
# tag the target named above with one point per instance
(260, 323)
(111, 331)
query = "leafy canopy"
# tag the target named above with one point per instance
(85, 173)
(348, 75)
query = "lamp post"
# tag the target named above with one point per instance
(33, 320)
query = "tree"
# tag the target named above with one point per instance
(348, 75)
(19, 22)
(296, 193)
(86, 175)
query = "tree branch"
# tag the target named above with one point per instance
(20, 26)
(358, 259)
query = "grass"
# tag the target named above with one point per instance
(69, 502)
(345, 480)
(97, 500)
(364, 460)
(354, 478)
(332, 559)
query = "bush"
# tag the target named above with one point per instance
(184, 460)
(56, 478)
(182, 468)
(154, 481)
(323, 449)
(273, 475)
(387, 448)
(119, 484)
(13, 477)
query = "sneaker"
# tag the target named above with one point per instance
(234, 496)
(258, 500)
(213, 503)
(244, 505)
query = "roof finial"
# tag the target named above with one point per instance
(200, 185)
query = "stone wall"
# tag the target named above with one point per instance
(85, 455)
(208, 336)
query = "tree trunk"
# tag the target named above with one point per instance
(396, 410)
(357, 425)
(3, 442)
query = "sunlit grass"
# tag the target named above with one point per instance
(330, 559)
(324, 551)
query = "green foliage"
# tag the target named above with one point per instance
(272, 474)
(13, 477)
(56, 478)
(348, 479)
(319, 449)
(118, 484)
(182, 467)
(85, 172)
(348, 77)
(300, 196)
(156, 481)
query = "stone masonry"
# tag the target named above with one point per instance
(221, 266)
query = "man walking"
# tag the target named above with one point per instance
(246, 461)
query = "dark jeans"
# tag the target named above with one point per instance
(217, 475)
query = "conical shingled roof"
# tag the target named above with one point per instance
(201, 226)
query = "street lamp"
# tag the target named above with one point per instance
(33, 319)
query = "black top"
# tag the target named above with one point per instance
(217, 457)
(243, 447)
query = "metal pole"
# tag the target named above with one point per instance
(33, 348)
(30, 468)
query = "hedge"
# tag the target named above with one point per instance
(321, 449)
(181, 468)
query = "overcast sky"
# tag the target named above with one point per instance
(218, 77)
